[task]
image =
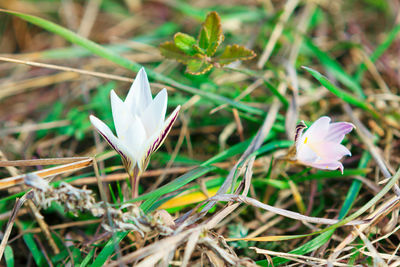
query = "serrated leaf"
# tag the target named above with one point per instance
(203, 38)
(198, 66)
(199, 50)
(233, 53)
(171, 51)
(185, 43)
(212, 27)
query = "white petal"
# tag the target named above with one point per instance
(134, 138)
(157, 139)
(317, 131)
(113, 141)
(139, 95)
(121, 115)
(154, 115)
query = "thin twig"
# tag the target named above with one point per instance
(276, 33)
(57, 67)
(40, 162)
(289, 214)
(18, 204)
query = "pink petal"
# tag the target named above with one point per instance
(329, 151)
(317, 131)
(338, 130)
(333, 165)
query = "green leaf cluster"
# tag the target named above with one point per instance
(200, 55)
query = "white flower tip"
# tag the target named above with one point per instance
(113, 93)
(164, 91)
(115, 100)
(93, 119)
(141, 75)
(164, 95)
(99, 125)
(176, 111)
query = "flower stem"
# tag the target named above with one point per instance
(135, 176)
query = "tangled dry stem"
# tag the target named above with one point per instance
(130, 217)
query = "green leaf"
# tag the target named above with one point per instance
(203, 38)
(212, 27)
(198, 66)
(9, 256)
(145, 206)
(276, 92)
(87, 259)
(37, 254)
(185, 43)
(109, 249)
(235, 52)
(199, 50)
(171, 51)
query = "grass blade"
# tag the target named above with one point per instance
(378, 51)
(342, 94)
(38, 256)
(9, 256)
(87, 259)
(176, 184)
(334, 67)
(108, 249)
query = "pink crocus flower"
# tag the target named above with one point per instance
(320, 147)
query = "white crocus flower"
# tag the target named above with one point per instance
(140, 125)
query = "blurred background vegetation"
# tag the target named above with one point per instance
(44, 111)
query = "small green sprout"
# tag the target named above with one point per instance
(200, 55)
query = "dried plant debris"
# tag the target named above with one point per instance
(130, 217)
(77, 200)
